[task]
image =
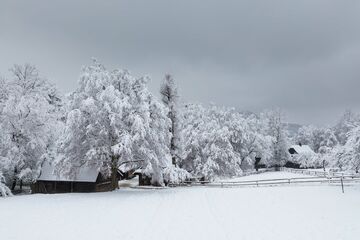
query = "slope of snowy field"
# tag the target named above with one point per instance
(287, 212)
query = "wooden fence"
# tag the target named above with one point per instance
(315, 178)
(317, 173)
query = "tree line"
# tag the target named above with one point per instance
(113, 120)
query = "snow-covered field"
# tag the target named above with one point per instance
(286, 212)
(266, 176)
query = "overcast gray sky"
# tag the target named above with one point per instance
(302, 56)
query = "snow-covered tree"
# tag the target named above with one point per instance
(170, 98)
(323, 141)
(328, 141)
(4, 92)
(208, 150)
(308, 159)
(347, 157)
(247, 138)
(346, 123)
(306, 136)
(4, 190)
(320, 140)
(28, 118)
(274, 127)
(336, 146)
(222, 142)
(159, 140)
(114, 120)
(353, 144)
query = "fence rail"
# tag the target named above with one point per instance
(316, 173)
(316, 178)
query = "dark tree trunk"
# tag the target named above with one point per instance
(172, 141)
(257, 161)
(14, 180)
(174, 161)
(13, 185)
(114, 179)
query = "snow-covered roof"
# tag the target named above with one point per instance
(128, 167)
(303, 149)
(139, 171)
(85, 174)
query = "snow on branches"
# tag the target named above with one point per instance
(347, 157)
(4, 190)
(221, 142)
(170, 97)
(273, 122)
(334, 146)
(113, 119)
(29, 107)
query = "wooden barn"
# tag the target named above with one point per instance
(88, 179)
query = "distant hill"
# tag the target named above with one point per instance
(248, 113)
(291, 127)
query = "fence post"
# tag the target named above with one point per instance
(342, 183)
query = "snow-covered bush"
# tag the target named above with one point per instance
(347, 157)
(175, 175)
(308, 160)
(4, 190)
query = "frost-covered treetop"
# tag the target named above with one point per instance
(113, 119)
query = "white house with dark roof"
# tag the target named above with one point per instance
(300, 149)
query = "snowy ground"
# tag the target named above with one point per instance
(266, 176)
(286, 212)
(332, 171)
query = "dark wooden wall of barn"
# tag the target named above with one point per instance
(62, 187)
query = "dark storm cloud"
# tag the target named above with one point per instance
(302, 56)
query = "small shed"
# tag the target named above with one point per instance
(144, 180)
(127, 172)
(258, 164)
(88, 179)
